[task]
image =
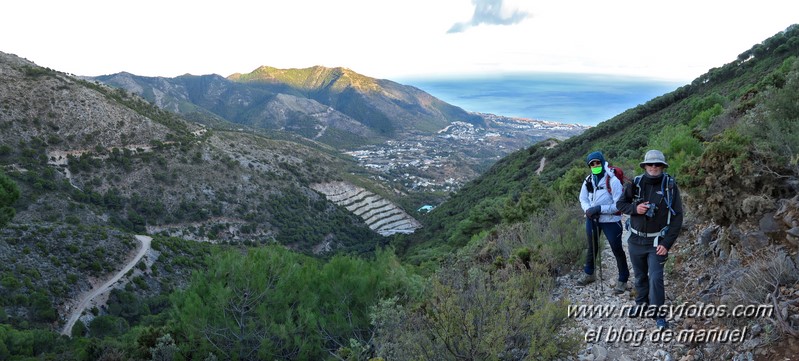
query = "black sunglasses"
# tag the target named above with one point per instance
(653, 164)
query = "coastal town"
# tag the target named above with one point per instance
(445, 161)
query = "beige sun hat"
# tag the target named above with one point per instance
(654, 156)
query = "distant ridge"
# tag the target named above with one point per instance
(335, 106)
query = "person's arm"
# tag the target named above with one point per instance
(625, 202)
(618, 191)
(585, 203)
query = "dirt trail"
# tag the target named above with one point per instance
(615, 336)
(105, 287)
(541, 166)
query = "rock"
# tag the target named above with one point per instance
(585, 356)
(792, 240)
(663, 355)
(734, 254)
(753, 241)
(751, 343)
(707, 235)
(768, 224)
(788, 212)
(600, 353)
(755, 330)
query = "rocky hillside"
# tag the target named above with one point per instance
(89, 154)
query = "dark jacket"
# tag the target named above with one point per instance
(651, 191)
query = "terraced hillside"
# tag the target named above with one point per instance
(381, 215)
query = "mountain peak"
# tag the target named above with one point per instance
(312, 78)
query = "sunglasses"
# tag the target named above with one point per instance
(653, 164)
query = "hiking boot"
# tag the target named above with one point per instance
(662, 324)
(620, 287)
(586, 279)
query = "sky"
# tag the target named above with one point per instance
(674, 40)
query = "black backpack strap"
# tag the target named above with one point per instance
(588, 185)
(636, 183)
(667, 187)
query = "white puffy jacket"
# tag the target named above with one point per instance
(601, 197)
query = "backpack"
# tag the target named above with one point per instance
(666, 187)
(617, 172)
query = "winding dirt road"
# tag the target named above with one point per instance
(78, 310)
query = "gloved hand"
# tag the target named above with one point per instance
(593, 212)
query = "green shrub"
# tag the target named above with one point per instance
(679, 145)
(10, 282)
(108, 326)
(79, 329)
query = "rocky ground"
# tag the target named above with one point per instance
(615, 336)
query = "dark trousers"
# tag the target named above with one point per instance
(648, 269)
(613, 232)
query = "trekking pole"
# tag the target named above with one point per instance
(597, 254)
(593, 245)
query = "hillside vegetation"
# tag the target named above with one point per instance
(741, 110)
(476, 283)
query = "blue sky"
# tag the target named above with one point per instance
(675, 40)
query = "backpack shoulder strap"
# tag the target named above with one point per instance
(667, 187)
(637, 191)
(588, 184)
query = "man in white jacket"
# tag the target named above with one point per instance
(598, 196)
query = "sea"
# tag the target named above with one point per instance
(585, 99)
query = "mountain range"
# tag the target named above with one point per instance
(335, 106)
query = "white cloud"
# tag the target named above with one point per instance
(491, 12)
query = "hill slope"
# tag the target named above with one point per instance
(97, 156)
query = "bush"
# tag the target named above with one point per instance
(79, 329)
(41, 308)
(9, 193)
(764, 278)
(475, 314)
(775, 125)
(107, 326)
